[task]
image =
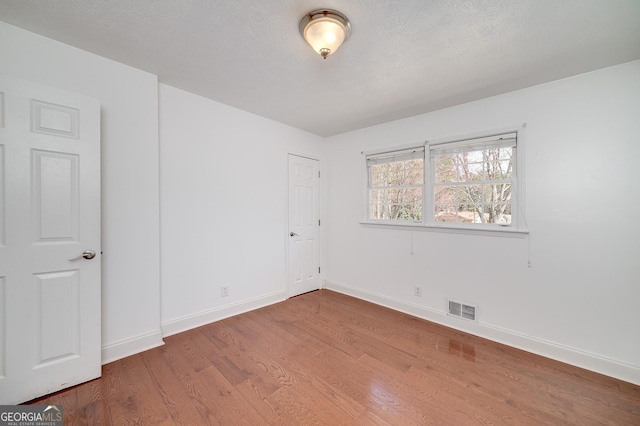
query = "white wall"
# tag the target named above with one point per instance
(130, 207)
(579, 300)
(223, 180)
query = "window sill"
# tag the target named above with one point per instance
(492, 232)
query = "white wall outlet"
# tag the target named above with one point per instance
(224, 291)
(417, 291)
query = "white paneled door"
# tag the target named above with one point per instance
(304, 225)
(49, 240)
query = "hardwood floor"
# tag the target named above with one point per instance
(327, 358)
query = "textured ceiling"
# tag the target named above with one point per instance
(404, 57)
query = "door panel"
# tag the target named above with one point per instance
(304, 261)
(50, 325)
(52, 119)
(58, 298)
(55, 192)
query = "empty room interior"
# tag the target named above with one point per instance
(428, 220)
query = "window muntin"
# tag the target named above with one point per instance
(396, 185)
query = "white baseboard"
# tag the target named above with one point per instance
(125, 348)
(202, 318)
(578, 358)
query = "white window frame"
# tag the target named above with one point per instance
(518, 221)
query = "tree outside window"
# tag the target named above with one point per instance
(474, 186)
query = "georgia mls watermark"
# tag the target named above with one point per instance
(31, 415)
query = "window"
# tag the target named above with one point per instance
(472, 181)
(469, 184)
(396, 185)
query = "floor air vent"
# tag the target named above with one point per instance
(461, 310)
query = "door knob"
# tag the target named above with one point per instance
(87, 254)
(293, 234)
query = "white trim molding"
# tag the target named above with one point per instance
(189, 322)
(599, 364)
(132, 346)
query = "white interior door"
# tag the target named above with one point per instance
(49, 213)
(304, 225)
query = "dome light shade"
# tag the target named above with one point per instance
(325, 30)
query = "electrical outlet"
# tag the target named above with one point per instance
(224, 291)
(417, 291)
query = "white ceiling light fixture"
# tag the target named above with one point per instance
(325, 30)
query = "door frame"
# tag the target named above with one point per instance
(321, 255)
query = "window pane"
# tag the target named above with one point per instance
(473, 171)
(414, 175)
(473, 156)
(445, 195)
(445, 213)
(413, 196)
(498, 163)
(411, 212)
(380, 168)
(395, 195)
(497, 192)
(396, 176)
(505, 153)
(499, 169)
(376, 211)
(445, 170)
(396, 189)
(396, 203)
(385, 211)
(395, 211)
(414, 164)
(379, 180)
(469, 194)
(469, 213)
(498, 213)
(469, 166)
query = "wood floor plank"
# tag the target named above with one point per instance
(408, 395)
(303, 367)
(261, 359)
(120, 399)
(295, 409)
(229, 406)
(288, 371)
(254, 394)
(327, 358)
(214, 398)
(178, 404)
(151, 408)
(94, 413)
(449, 372)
